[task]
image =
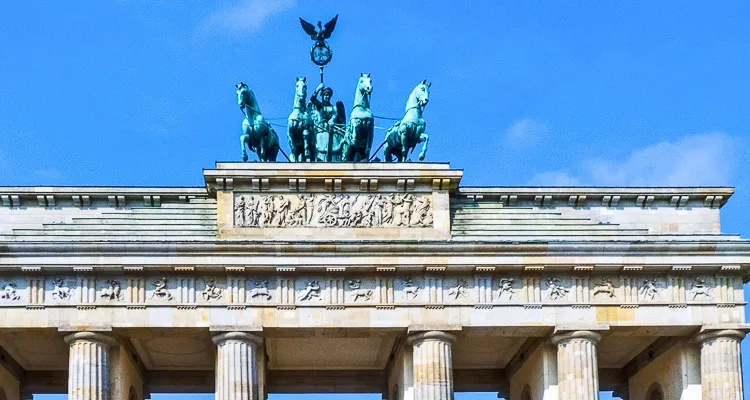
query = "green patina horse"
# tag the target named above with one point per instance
(404, 135)
(359, 132)
(257, 133)
(300, 129)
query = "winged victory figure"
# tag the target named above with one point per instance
(322, 32)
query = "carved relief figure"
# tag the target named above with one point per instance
(260, 290)
(605, 287)
(701, 288)
(649, 289)
(112, 291)
(312, 290)
(410, 288)
(9, 292)
(59, 291)
(506, 289)
(211, 292)
(160, 290)
(459, 290)
(358, 291)
(556, 290)
(328, 210)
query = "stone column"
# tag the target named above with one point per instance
(237, 366)
(577, 365)
(88, 373)
(433, 365)
(721, 369)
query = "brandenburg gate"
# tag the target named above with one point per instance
(387, 278)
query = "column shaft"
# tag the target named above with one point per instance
(721, 368)
(577, 365)
(433, 365)
(237, 366)
(88, 374)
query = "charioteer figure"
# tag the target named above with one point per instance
(330, 124)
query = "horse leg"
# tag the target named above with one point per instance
(243, 142)
(306, 143)
(387, 151)
(424, 138)
(403, 132)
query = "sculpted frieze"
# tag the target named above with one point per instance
(701, 290)
(60, 291)
(376, 289)
(505, 289)
(9, 292)
(333, 210)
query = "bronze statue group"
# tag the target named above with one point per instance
(318, 131)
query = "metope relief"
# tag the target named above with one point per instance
(259, 290)
(9, 292)
(311, 291)
(112, 291)
(60, 291)
(650, 290)
(556, 290)
(459, 290)
(357, 291)
(160, 290)
(700, 290)
(333, 211)
(211, 291)
(505, 289)
(604, 289)
(411, 289)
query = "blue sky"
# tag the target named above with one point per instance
(136, 92)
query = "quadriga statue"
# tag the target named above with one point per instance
(300, 126)
(257, 133)
(359, 133)
(404, 135)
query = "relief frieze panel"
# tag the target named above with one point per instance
(333, 210)
(380, 289)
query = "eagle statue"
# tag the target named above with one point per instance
(322, 32)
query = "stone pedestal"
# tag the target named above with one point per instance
(577, 366)
(721, 369)
(237, 369)
(433, 365)
(88, 373)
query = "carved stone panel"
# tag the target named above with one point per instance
(333, 210)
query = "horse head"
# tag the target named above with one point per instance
(300, 90)
(364, 85)
(422, 93)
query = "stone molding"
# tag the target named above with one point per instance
(725, 334)
(566, 337)
(96, 337)
(431, 335)
(237, 336)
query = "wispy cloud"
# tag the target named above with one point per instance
(694, 160)
(244, 16)
(526, 132)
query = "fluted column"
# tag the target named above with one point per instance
(433, 365)
(721, 368)
(577, 365)
(237, 366)
(88, 374)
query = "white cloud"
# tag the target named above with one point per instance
(695, 160)
(526, 131)
(244, 16)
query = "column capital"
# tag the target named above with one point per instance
(564, 337)
(97, 337)
(431, 335)
(238, 336)
(719, 334)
